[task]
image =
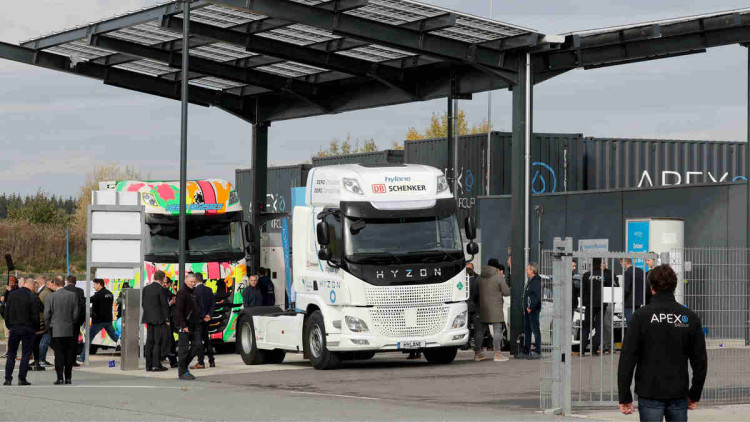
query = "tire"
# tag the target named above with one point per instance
(275, 356)
(441, 355)
(314, 339)
(247, 345)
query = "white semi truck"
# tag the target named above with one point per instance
(377, 265)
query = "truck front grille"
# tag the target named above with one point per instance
(411, 295)
(391, 322)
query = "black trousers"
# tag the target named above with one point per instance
(19, 335)
(169, 345)
(35, 350)
(65, 354)
(153, 350)
(205, 348)
(187, 347)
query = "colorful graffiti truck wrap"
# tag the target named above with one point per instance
(215, 240)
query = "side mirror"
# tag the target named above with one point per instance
(356, 226)
(249, 233)
(324, 236)
(471, 228)
(324, 254)
(472, 248)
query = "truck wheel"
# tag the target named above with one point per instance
(275, 356)
(248, 347)
(315, 343)
(441, 355)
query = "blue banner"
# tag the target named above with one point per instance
(638, 240)
(287, 257)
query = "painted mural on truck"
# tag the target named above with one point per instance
(206, 197)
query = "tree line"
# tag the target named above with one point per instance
(38, 208)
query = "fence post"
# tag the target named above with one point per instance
(562, 299)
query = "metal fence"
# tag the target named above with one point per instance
(582, 334)
(717, 288)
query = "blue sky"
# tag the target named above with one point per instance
(55, 127)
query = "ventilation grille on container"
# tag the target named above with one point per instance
(408, 295)
(391, 322)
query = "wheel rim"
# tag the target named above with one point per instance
(316, 341)
(247, 338)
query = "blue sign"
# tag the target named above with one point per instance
(333, 296)
(540, 181)
(638, 240)
(287, 257)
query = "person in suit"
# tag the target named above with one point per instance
(21, 314)
(186, 320)
(70, 285)
(155, 316)
(532, 307)
(206, 305)
(170, 350)
(61, 314)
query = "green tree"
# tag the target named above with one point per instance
(438, 127)
(337, 148)
(38, 209)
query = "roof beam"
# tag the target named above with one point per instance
(342, 5)
(207, 67)
(433, 23)
(288, 51)
(79, 33)
(372, 31)
(122, 78)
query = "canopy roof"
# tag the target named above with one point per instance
(267, 60)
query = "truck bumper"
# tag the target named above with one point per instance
(427, 327)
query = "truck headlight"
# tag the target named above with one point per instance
(442, 184)
(352, 185)
(356, 325)
(460, 320)
(149, 199)
(234, 197)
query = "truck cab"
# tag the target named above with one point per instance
(377, 266)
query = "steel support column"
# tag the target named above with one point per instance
(449, 171)
(747, 210)
(183, 143)
(519, 218)
(259, 175)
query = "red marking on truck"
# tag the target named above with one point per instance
(379, 188)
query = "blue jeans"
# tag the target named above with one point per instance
(531, 326)
(44, 346)
(658, 410)
(94, 330)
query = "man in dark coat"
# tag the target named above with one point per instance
(102, 309)
(206, 305)
(593, 281)
(492, 287)
(266, 287)
(532, 308)
(155, 316)
(186, 319)
(61, 315)
(170, 352)
(251, 295)
(21, 314)
(635, 288)
(70, 285)
(472, 302)
(12, 284)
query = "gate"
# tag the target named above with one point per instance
(586, 312)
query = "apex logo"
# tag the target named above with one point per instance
(674, 319)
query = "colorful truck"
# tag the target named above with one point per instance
(215, 243)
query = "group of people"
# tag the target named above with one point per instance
(40, 313)
(488, 290)
(187, 313)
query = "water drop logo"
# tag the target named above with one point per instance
(738, 178)
(539, 181)
(684, 319)
(333, 296)
(282, 204)
(469, 180)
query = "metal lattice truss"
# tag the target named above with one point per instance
(267, 60)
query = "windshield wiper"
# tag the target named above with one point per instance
(376, 257)
(431, 254)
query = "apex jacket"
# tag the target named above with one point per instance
(101, 306)
(661, 339)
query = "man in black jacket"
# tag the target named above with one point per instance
(206, 305)
(251, 295)
(186, 318)
(532, 308)
(155, 316)
(170, 351)
(635, 288)
(592, 283)
(662, 338)
(101, 313)
(21, 314)
(266, 287)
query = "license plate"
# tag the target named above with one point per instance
(411, 345)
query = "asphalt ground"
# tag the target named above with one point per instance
(388, 387)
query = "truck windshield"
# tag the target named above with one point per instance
(402, 236)
(203, 236)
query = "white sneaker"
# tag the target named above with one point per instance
(500, 358)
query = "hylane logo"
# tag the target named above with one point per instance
(539, 181)
(397, 179)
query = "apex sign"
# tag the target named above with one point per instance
(674, 178)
